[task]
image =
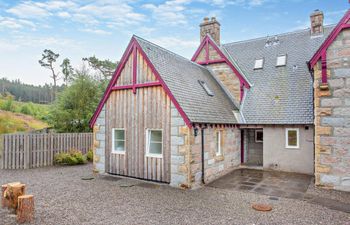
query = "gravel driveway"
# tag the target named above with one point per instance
(62, 197)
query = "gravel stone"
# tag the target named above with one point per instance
(62, 197)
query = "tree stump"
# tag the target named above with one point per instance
(4, 201)
(25, 209)
(12, 192)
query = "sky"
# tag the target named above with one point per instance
(83, 28)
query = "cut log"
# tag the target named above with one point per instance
(13, 191)
(25, 210)
(4, 201)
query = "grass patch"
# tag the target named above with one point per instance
(15, 122)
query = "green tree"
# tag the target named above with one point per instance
(74, 106)
(67, 70)
(105, 67)
(47, 61)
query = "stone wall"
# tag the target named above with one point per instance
(215, 166)
(228, 79)
(332, 117)
(99, 143)
(180, 149)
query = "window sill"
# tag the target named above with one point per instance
(219, 158)
(292, 147)
(159, 156)
(118, 152)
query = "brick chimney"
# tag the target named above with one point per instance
(316, 19)
(211, 27)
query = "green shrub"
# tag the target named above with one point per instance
(73, 157)
(25, 109)
(90, 156)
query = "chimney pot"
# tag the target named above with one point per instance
(316, 19)
(206, 19)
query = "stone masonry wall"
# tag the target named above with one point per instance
(99, 141)
(225, 75)
(215, 166)
(332, 117)
(180, 149)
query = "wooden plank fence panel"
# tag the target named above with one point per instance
(24, 151)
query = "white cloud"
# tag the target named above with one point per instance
(171, 12)
(28, 9)
(174, 42)
(96, 31)
(63, 15)
(12, 23)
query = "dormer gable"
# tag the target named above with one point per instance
(209, 54)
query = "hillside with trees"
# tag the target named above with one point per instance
(68, 107)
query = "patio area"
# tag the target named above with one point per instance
(280, 184)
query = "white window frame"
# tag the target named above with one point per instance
(256, 135)
(284, 63)
(148, 136)
(113, 141)
(218, 149)
(298, 138)
(259, 64)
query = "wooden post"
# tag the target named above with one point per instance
(25, 209)
(12, 192)
(4, 200)
(2, 163)
(26, 151)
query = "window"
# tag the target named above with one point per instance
(292, 138)
(259, 136)
(281, 60)
(218, 143)
(258, 64)
(154, 141)
(206, 88)
(118, 142)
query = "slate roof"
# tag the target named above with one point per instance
(181, 76)
(279, 95)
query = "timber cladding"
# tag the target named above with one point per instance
(148, 108)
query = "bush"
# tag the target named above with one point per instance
(73, 157)
(90, 156)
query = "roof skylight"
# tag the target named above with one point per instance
(206, 88)
(259, 64)
(281, 60)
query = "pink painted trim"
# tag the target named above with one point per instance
(323, 48)
(199, 49)
(112, 82)
(324, 67)
(134, 69)
(212, 61)
(205, 42)
(165, 87)
(241, 92)
(132, 86)
(207, 51)
(133, 43)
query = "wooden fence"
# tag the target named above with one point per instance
(23, 151)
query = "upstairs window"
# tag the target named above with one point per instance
(258, 64)
(118, 143)
(206, 88)
(281, 60)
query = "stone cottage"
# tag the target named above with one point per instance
(277, 102)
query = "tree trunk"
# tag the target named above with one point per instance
(25, 210)
(4, 200)
(13, 191)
